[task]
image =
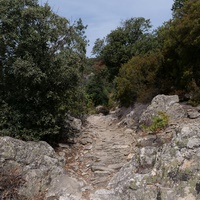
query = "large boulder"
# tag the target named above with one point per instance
(129, 117)
(64, 187)
(166, 104)
(167, 172)
(73, 123)
(38, 166)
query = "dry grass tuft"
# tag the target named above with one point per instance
(10, 181)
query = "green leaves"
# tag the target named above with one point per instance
(123, 43)
(143, 63)
(26, 71)
(181, 47)
(41, 55)
(137, 78)
(178, 4)
(159, 122)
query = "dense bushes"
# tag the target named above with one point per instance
(123, 43)
(97, 86)
(39, 69)
(181, 48)
(143, 63)
(137, 79)
(42, 57)
(158, 123)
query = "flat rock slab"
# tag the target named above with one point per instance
(65, 188)
(101, 168)
(120, 146)
(116, 166)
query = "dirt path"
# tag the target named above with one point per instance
(101, 150)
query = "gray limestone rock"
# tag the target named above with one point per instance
(193, 113)
(104, 195)
(74, 123)
(130, 120)
(166, 104)
(38, 166)
(167, 172)
(64, 187)
(102, 109)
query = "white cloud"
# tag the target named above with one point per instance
(102, 16)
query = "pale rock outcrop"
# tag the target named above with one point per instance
(164, 166)
(40, 167)
(73, 123)
(64, 187)
(168, 172)
(194, 113)
(163, 103)
(130, 120)
(102, 109)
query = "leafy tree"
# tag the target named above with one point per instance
(175, 65)
(123, 43)
(137, 79)
(97, 86)
(98, 47)
(40, 58)
(181, 49)
(177, 5)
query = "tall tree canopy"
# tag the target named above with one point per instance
(123, 43)
(182, 47)
(174, 68)
(40, 56)
(137, 79)
(177, 5)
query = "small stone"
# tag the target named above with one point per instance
(63, 145)
(116, 166)
(100, 180)
(120, 146)
(84, 173)
(102, 173)
(129, 131)
(129, 157)
(100, 168)
(88, 147)
(76, 168)
(85, 141)
(62, 154)
(193, 143)
(87, 188)
(193, 114)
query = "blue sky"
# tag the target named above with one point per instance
(102, 16)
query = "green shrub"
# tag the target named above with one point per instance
(97, 86)
(158, 122)
(137, 79)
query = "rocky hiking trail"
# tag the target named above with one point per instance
(98, 153)
(110, 158)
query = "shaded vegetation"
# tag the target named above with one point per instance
(158, 122)
(42, 55)
(137, 79)
(142, 63)
(97, 85)
(181, 50)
